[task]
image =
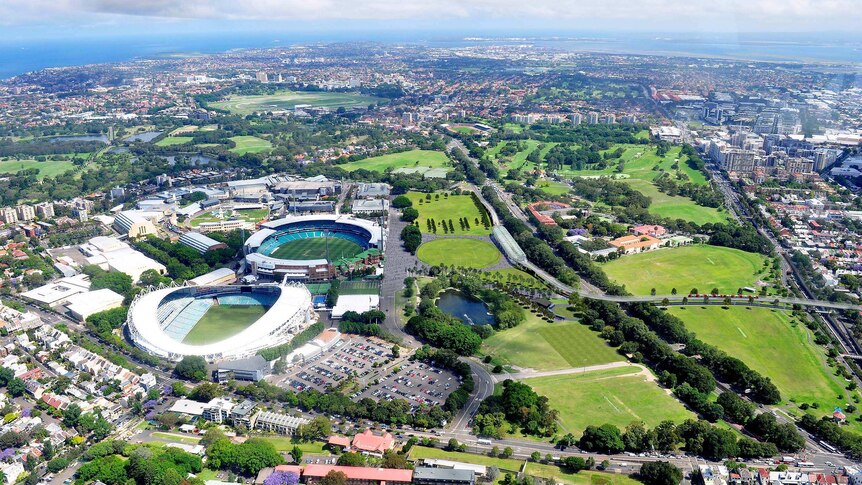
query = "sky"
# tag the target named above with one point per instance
(45, 18)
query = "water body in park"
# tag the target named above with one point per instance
(146, 136)
(469, 310)
(99, 138)
(194, 159)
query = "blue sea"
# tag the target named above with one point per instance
(20, 56)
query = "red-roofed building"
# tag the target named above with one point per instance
(358, 475)
(649, 230)
(372, 443)
(289, 469)
(340, 441)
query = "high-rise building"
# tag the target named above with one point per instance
(8, 214)
(26, 212)
(610, 119)
(577, 119)
(262, 77)
(45, 210)
(592, 118)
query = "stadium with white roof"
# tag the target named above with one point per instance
(307, 248)
(218, 322)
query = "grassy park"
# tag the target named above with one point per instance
(287, 100)
(173, 140)
(411, 160)
(440, 207)
(223, 321)
(518, 161)
(585, 477)
(770, 342)
(468, 253)
(537, 344)
(46, 168)
(551, 187)
(617, 396)
(697, 266)
(249, 144)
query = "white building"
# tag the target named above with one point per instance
(83, 305)
(59, 291)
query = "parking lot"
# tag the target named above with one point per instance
(364, 367)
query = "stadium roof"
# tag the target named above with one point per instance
(290, 313)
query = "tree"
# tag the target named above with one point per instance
(206, 392)
(334, 478)
(508, 452)
(535, 456)
(192, 367)
(453, 445)
(282, 478)
(351, 459)
(296, 454)
(71, 415)
(605, 438)
(660, 473)
(412, 238)
(401, 202)
(409, 214)
(16, 387)
(395, 460)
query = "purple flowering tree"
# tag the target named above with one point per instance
(282, 478)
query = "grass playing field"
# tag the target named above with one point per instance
(617, 396)
(555, 474)
(249, 144)
(173, 140)
(552, 188)
(287, 100)
(223, 321)
(639, 164)
(46, 169)
(250, 215)
(504, 464)
(315, 248)
(769, 343)
(411, 159)
(467, 253)
(536, 344)
(453, 207)
(698, 266)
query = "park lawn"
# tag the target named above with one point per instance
(287, 100)
(453, 207)
(698, 266)
(223, 321)
(184, 129)
(515, 275)
(173, 140)
(503, 464)
(578, 344)
(553, 188)
(284, 444)
(46, 168)
(425, 159)
(519, 160)
(176, 438)
(514, 127)
(463, 252)
(770, 342)
(617, 396)
(584, 477)
(249, 144)
(539, 345)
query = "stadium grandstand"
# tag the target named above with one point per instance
(305, 247)
(227, 322)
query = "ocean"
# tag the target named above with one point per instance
(17, 57)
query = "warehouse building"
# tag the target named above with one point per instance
(200, 243)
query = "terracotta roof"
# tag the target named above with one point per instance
(342, 441)
(368, 441)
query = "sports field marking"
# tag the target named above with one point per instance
(612, 404)
(710, 261)
(743, 333)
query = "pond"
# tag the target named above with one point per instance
(99, 138)
(146, 136)
(196, 160)
(469, 310)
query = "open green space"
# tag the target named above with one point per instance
(467, 253)
(617, 396)
(175, 438)
(249, 144)
(223, 321)
(317, 248)
(530, 346)
(249, 215)
(770, 342)
(504, 464)
(287, 100)
(46, 168)
(444, 208)
(285, 444)
(514, 276)
(698, 266)
(551, 187)
(519, 161)
(584, 477)
(411, 159)
(173, 140)
(641, 165)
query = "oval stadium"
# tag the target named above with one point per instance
(218, 322)
(308, 248)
